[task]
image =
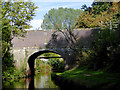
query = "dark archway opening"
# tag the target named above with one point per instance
(31, 60)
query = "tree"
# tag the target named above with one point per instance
(97, 7)
(105, 50)
(15, 19)
(100, 11)
(62, 18)
(85, 8)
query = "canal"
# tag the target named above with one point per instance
(41, 80)
(43, 70)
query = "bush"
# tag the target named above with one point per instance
(105, 52)
(57, 64)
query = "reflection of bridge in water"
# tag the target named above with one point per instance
(37, 42)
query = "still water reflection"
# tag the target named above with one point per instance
(42, 80)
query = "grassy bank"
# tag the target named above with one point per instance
(92, 79)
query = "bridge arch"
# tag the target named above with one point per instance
(31, 60)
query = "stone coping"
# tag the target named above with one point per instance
(63, 30)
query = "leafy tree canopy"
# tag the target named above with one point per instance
(61, 18)
(97, 7)
(99, 12)
(15, 19)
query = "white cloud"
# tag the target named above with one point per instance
(36, 24)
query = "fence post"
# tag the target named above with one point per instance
(110, 25)
(101, 24)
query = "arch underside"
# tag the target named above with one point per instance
(33, 57)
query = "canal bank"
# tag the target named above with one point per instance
(81, 78)
(41, 80)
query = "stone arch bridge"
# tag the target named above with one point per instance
(43, 40)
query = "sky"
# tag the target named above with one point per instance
(45, 6)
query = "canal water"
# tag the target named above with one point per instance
(42, 80)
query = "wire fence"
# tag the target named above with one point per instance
(110, 24)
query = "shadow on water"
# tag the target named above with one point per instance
(41, 81)
(31, 84)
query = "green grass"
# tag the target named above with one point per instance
(91, 78)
